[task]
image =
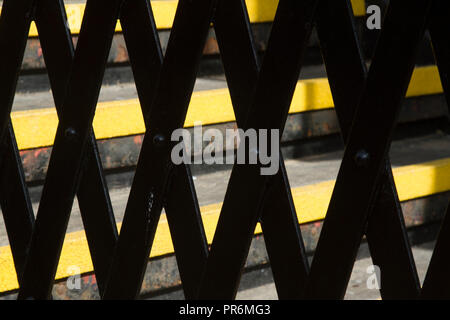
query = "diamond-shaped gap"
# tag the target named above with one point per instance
(211, 108)
(201, 84)
(312, 162)
(419, 154)
(311, 145)
(162, 244)
(35, 121)
(3, 235)
(8, 270)
(35, 127)
(315, 123)
(74, 277)
(216, 179)
(311, 71)
(117, 104)
(118, 91)
(312, 149)
(211, 180)
(119, 128)
(257, 282)
(117, 88)
(75, 223)
(402, 151)
(326, 156)
(75, 208)
(414, 143)
(365, 278)
(119, 157)
(33, 110)
(425, 143)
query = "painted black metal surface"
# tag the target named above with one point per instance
(168, 112)
(16, 206)
(364, 200)
(182, 210)
(358, 182)
(386, 232)
(247, 187)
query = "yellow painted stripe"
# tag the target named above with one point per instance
(36, 128)
(359, 7)
(311, 203)
(164, 11)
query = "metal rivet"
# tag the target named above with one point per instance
(159, 140)
(71, 134)
(362, 158)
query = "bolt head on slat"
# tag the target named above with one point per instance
(71, 134)
(362, 158)
(159, 140)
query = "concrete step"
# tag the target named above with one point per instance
(211, 182)
(304, 170)
(109, 92)
(34, 92)
(310, 163)
(258, 284)
(421, 169)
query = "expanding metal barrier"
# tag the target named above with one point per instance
(364, 201)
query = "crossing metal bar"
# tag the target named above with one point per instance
(182, 209)
(15, 201)
(437, 282)
(65, 163)
(247, 187)
(386, 231)
(17, 212)
(278, 217)
(364, 201)
(93, 196)
(359, 176)
(168, 112)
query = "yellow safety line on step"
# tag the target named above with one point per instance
(311, 203)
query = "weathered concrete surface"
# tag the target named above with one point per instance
(108, 92)
(211, 187)
(33, 90)
(259, 285)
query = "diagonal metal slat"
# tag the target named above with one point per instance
(386, 231)
(182, 209)
(15, 201)
(437, 281)
(17, 212)
(367, 106)
(247, 187)
(223, 12)
(93, 197)
(15, 22)
(367, 146)
(72, 134)
(279, 220)
(168, 112)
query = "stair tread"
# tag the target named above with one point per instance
(116, 92)
(302, 171)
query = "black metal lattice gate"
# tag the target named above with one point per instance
(367, 104)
